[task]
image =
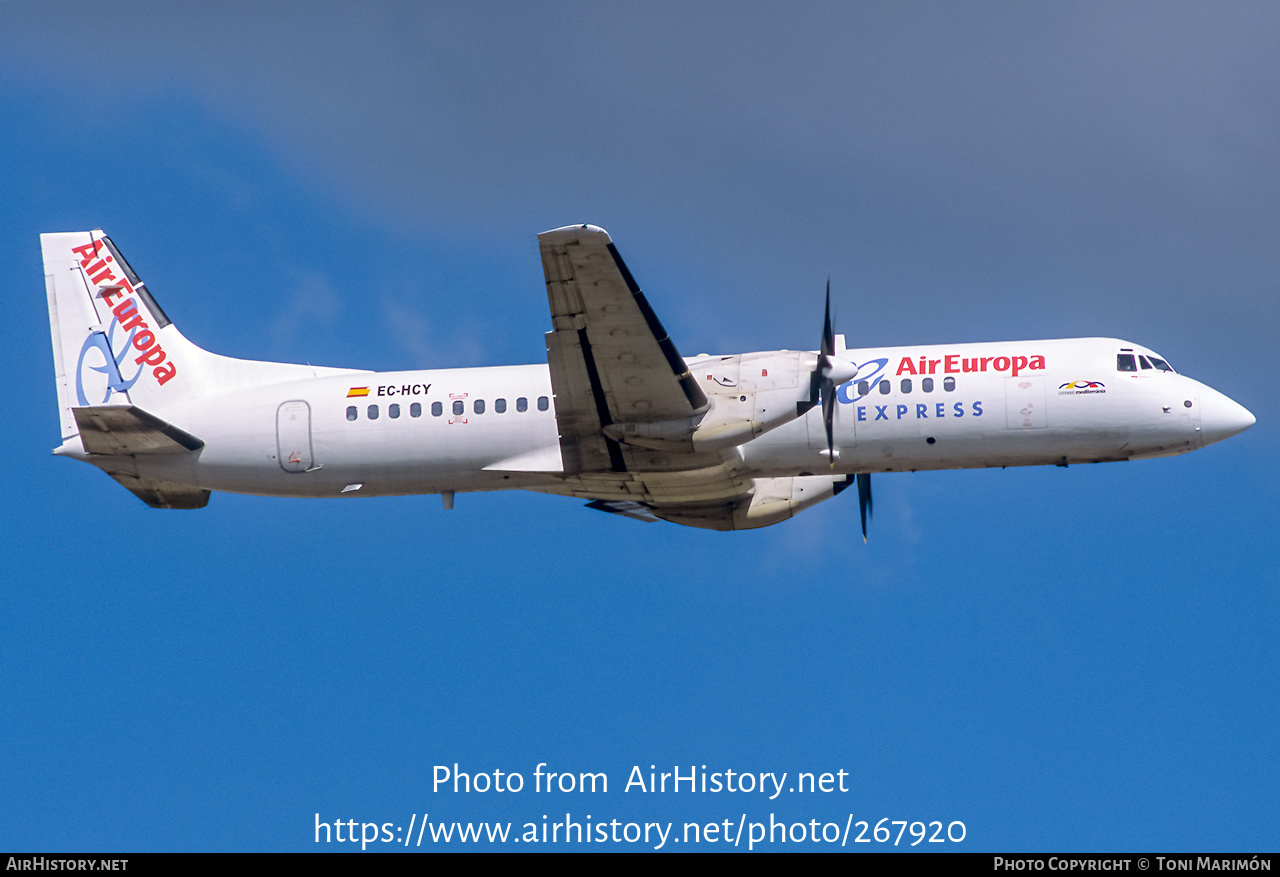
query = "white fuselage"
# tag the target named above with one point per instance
(911, 408)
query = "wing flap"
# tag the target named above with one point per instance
(637, 511)
(581, 407)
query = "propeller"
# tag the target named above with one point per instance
(830, 372)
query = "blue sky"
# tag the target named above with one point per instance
(1061, 659)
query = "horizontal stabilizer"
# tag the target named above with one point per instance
(125, 430)
(163, 494)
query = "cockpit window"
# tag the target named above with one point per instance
(1143, 361)
(1126, 363)
(1161, 364)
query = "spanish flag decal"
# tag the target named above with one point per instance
(357, 391)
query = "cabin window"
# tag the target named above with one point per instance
(436, 409)
(373, 412)
(522, 404)
(393, 411)
(926, 385)
(478, 406)
(352, 414)
(949, 384)
(500, 406)
(543, 403)
(415, 410)
(885, 388)
(459, 406)
(863, 388)
(1126, 363)
(906, 385)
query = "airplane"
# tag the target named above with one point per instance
(616, 416)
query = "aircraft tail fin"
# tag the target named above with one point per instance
(112, 343)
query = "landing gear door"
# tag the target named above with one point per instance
(293, 436)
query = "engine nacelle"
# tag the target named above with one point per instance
(748, 395)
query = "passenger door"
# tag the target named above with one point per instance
(293, 436)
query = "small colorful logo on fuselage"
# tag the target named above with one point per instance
(1079, 388)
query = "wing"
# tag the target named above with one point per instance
(611, 361)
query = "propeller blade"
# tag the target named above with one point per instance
(828, 334)
(826, 387)
(828, 418)
(864, 500)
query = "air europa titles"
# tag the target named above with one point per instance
(98, 269)
(954, 364)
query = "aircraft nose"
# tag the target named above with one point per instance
(1220, 417)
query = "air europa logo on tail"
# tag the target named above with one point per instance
(101, 343)
(954, 364)
(97, 267)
